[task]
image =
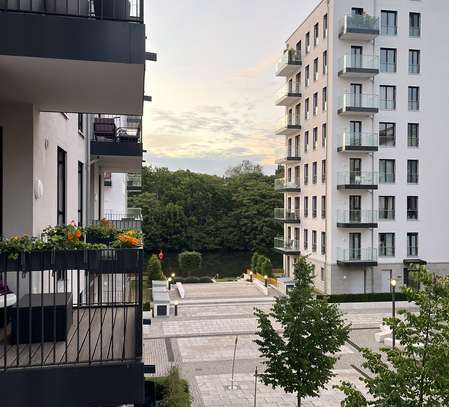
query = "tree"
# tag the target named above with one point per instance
(154, 269)
(416, 372)
(244, 168)
(301, 359)
(267, 268)
(190, 263)
(254, 261)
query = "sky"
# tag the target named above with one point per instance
(213, 85)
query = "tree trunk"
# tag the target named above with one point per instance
(299, 400)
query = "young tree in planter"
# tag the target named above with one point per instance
(416, 371)
(254, 261)
(301, 359)
(190, 263)
(154, 269)
(260, 262)
(267, 268)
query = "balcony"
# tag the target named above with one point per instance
(366, 257)
(288, 95)
(358, 66)
(289, 63)
(286, 215)
(73, 55)
(290, 159)
(357, 219)
(357, 180)
(130, 220)
(284, 246)
(117, 143)
(358, 142)
(281, 185)
(351, 104)
(134, 183)
(71, 331)
(288, 126)
(359, 27)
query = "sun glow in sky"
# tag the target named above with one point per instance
(213, 85)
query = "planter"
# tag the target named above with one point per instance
(67, 7)
(94, 239)
(115, 10)
(127, 260)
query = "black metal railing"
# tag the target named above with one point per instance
(129, 220)
(118, 10)
(117, 129)
(70, 307)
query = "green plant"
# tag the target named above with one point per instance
(15, 245)
(128, 240)
(103, 230)
(154, 269)
(67, 237)
(190, 263)
(266, 267)
(254, 261)
(301, 359)
(176, 392)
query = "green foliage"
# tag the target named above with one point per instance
(416, 372)
(188, 211)
(261, 264)
(302, 358)
(176, 392)
(193, 280)
(244, 168)
(190, 263)
(154, 269)
(267, 268)
(368, 297)
(103, 231)
(254, 261)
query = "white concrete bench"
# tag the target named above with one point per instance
(385, 332)
(181, 291)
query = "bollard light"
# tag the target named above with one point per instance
(250, 276)
(266, 280)
(176, 303)
(169, 283)
(393, 305)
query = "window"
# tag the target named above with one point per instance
(386, 245)
(325, 26)
(306, 206)
(315, 103)
(323, 171)
(307, 108)
(306, 141)
(413, 135)
(297, 181)
(412, 171)
(324, 99)
(387, 60)
(80, 123)
(314, 207)
(296, 146)
(314, 241)
(61, 186)
(387, 134)
(307, 42)
(316, 34)
(297, 86)
(298, 114)
(315, 69)
(323, 243)
(80, 193)
(306, 239)
(414, 25)
(412, 244)
(387, 207)
(298, 48)
(323, 207)
(414, 61)
(413, 98)
(315, 137)
(306, 174)
(289, 175)
(388, 22)
(314, 172)
(357, 11)
(324, 134)
(387, 171)
(412, 208)
(387, 97)
(307, 75)
(324, 62)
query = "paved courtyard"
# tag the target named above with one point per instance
(200, 341)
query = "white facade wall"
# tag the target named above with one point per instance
(433, 201)
(116, 195)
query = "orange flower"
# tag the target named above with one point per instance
(78, 233)
(70, 237)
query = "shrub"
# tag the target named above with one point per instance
(267, 268)
(206, 280)
(370, 297)
(259, 264)
(154, 269)
(254, 261)
(190, 263)
(170, 391)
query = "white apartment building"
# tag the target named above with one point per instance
(366, 141)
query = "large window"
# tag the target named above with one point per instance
(386, 207)
(413, 98)
(315, 137)
(314, 206)
(306, 174)
(324, 99)
(314, 241)
(306, 239)
(80, 193)
(386, 245)
(316, 34)
(307, 73)
(413, 135)
(414, 61)
(412, 244)
(412, 208)
(325, 26)
(323, 243)
(61, 187)
(323, 171)
(388, 60)
(324, 62)
(323, 134)
(388, 21)
(323, 207)
(387, 134)
(314, 172)
(387, 97)
(306, 141)
(315, 103)
(307, 42)
(306, 206)
(387, 171)
(80, 123)
(315, 69)
(412, 171)
(415, 25)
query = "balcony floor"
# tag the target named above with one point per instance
(112, 338)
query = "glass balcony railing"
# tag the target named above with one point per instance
(357, 216)
(286, 245)
(286, 214)
(368, 254)
(288, 122)
(281, 184)
(359, 24)
(288, 90)
(354, 101)
(357, 178)
(358, 140)
(289, 57)
(370, 62)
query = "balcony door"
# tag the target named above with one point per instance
(297, 237)
(297, 175)
(290, 117)
(355, 170)
(356, 57)
(355, 240)
(289, 148)
(355, 133)
(289, 204)
(355, 208)
(356, 94)
(296, 146)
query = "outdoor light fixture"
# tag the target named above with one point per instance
(250, 276)
(393, 304)
(173, 275)
(266, 280)
(176, 303)
(169, 283)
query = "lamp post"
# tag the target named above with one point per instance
(393, 303)
(266, 280)
(169, 283)
(176, 303)
(173, 275)
(251, 276)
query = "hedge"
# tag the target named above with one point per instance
(190, 263)
(369, 297)
(193, 280)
